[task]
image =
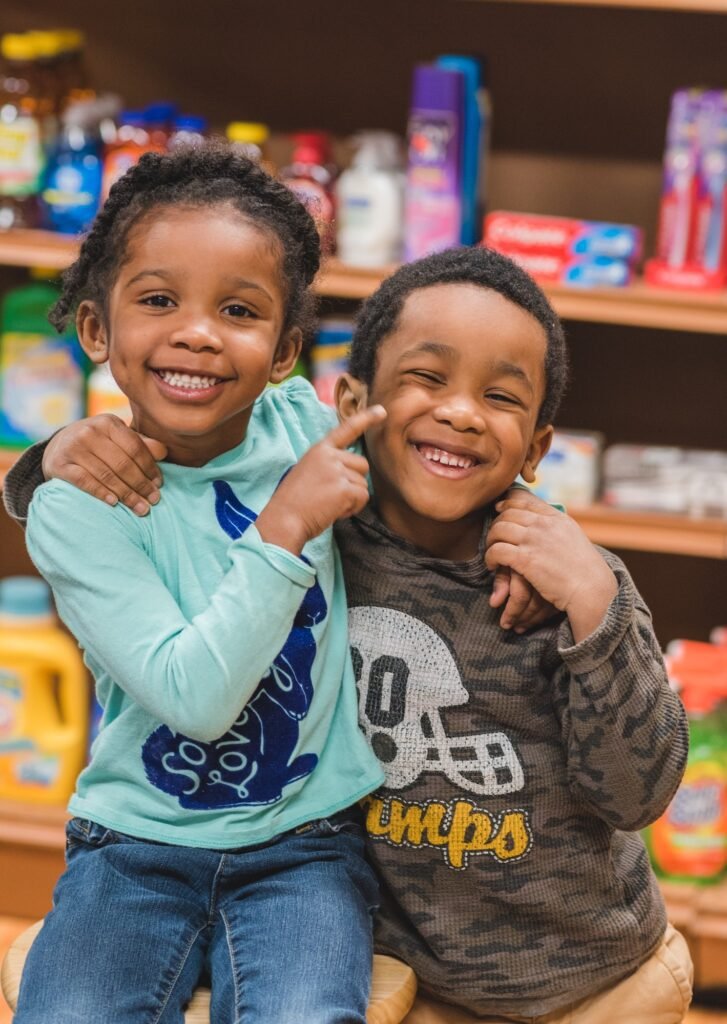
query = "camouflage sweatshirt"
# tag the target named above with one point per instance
(518, 771)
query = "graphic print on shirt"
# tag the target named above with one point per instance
(249, 765)
(406, 676)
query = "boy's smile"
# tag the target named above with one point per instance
(462, 378)
(194, 327)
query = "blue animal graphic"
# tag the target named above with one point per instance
(249, 765)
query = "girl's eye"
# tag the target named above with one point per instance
(158, 301)
(237, 310)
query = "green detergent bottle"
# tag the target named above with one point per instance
(42, 377)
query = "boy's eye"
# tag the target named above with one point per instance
(506, 399)
(158, 301)
(426, 376)
(237, 310)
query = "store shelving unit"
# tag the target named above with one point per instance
(638, 305)
(709, 6)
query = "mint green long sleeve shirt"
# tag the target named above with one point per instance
(221, 662)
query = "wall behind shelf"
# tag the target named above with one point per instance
(577, 84)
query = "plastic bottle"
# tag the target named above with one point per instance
(72, 183)
(159, 122)
(24, 109)
(72, 67)
(189, 130)
(131, 142)
(689, 841)
(249, 138)
(310, 177)
(41, 374)
(105, 395)
(44, 698)
(329, 356)
(370, 202)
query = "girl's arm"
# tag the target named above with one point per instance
(192, 673)
(100, 455)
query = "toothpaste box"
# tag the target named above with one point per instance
(564, 237)
(591, 272)
(682, 481)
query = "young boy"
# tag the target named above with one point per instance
(517, 766)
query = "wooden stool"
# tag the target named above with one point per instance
(392, 990)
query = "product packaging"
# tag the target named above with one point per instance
(44, 698)
(477, 116)
(569, 474)
(654, 478)
(434, 210)
(689, 842)
(105, 396)
(564, 237)
(131, 142)
(370, 202)
(41, 374)
(578, 272)
(310, 176)
(329, 356)
(691, 250)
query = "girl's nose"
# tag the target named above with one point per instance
(196, 335)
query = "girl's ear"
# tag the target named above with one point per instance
(286, 354)
(539, 446)
(92, 332)
(350, 396)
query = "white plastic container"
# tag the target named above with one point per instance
(370, 201)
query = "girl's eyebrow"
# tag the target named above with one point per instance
(235, 282)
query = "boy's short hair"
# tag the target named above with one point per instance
(476, 265)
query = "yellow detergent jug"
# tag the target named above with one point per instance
(44, 697)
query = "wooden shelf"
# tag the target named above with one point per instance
(638, 305)
(647, 531)
(701, 6)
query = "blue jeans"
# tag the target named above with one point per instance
(283, 930)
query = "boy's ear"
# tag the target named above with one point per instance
(539, 446)
(286, 354)
(92, 332)
(350, 396)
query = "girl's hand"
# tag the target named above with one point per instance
(107, 459)
(554, 555)
(328, 483)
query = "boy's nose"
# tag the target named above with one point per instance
(196, 335)
(461, 413)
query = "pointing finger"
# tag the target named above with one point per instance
(347, 433)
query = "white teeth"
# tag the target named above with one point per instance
(447, 458)
(186, 380)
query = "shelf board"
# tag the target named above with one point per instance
(701, 6)
(638, 305)
(648, 531)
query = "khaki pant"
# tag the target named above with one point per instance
(658, 993)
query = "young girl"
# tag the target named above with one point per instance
(213, 830)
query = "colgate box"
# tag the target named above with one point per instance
(564, 237)
(577, 272)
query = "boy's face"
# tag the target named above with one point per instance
(193, 330)
(462, 379)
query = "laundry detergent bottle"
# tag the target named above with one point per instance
(689, 841)
(44, 698)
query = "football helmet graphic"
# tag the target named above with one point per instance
(405, 676)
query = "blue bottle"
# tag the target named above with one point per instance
(71, 190)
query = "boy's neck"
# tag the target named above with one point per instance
(455, 542)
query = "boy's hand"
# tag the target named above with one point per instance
(107, 459)
(525, 608)
(328, 483)
(551, 551)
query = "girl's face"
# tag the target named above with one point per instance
(194, 327)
